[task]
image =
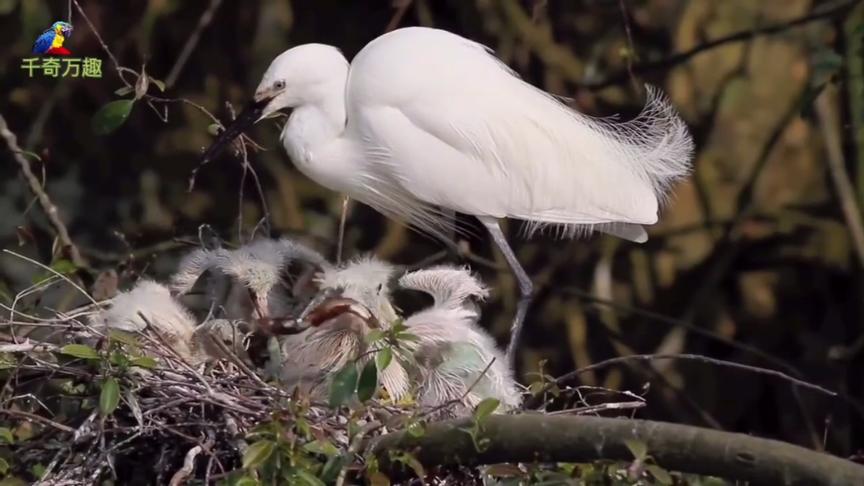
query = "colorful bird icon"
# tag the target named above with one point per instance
(51, 41)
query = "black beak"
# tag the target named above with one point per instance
(243, 122)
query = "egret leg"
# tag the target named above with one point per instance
(526, 287)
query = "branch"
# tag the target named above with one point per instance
(828, 13)
(44, 201)
(829, 124)
(694, 357)
(684, 448)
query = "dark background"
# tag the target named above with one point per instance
(753, 251)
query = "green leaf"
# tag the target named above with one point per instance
(109, 398)
(374, 335)
(409, 460)
(258, 453)
(145, 362)
(416, 429)
(661, 475)
(383, 358)
(79, 351)
(64, 267)
(4, 466)
(111, 116)
(246, 481)
(407, 336)
(6, 434)
(323, 447)
(122, 337)
(343, 386)
(125, 90)
(159, 83)
(378, 479)
(638, 448)
(37, 470)
(309, 478)
(7, 361)
(368, 381)
(485, 408)
(331, 468)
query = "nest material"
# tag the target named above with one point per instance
(188, 392)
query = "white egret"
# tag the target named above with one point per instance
(424, 122)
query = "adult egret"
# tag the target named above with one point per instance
(424, 122)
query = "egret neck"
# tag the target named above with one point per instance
(313, 138)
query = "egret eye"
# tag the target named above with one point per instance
(279, 84)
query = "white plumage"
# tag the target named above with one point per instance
(423, 119)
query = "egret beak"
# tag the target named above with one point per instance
(251, 114)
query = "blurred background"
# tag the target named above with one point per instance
(757, 258)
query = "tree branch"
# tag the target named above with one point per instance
(535, 437)
(44, 201)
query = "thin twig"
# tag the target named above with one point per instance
(37, 418)
(44, 200)
(54, 272)
(821, 14)
(692, 357)
(829, 124)
(401, 7)
(191, 42)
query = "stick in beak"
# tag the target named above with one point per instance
(247, 118)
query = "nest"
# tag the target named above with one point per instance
(149, 391)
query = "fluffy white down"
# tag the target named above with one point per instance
(159, 309)
(453, 350)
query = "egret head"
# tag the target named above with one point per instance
(304, 75)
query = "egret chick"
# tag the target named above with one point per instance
(151, 304)
(249, 283)
(340, 324)
(457, 360)
(424, 122)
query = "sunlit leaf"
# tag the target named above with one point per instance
(109, 397)
(485, 408)
(79, 351)
(4, 466)
(258, 453)
(122, 337)
(323, 447)
(145, 362)
(416, 429)
(159, 83)
(308, 478)
(111, 116)
(7, 361)
(374, 335)
(368, 381)
(383, 358)
(6, 435)
(660, 475)
(343, 386)
(638, 448)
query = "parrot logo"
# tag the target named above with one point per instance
(51, 41)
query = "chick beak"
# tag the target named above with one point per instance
(251, 114)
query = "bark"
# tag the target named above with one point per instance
(540, 438)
